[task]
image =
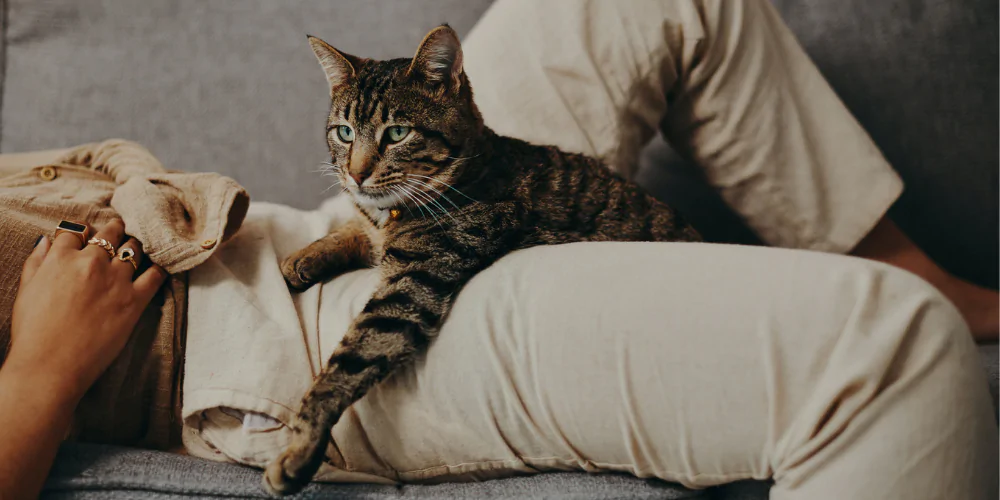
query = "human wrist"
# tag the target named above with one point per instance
(33, 376)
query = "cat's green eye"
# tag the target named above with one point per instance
(397, 133)
(345, 133)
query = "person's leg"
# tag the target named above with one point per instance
(755, 112)
(700, 364)
(731, 88)
(979, 306)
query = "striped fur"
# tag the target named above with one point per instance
(433, 210)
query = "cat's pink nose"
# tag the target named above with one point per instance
(360, 177)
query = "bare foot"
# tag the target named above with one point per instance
(980, 306)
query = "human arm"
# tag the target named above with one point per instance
(73, 314)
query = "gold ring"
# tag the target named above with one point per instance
(77, 229)
(128, 255)
(103, 243)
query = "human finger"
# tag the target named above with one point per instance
(105, 242)
(71, 235)
(149, 282)
(34, 260)
(129, 258)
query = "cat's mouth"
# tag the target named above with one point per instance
(378, 198)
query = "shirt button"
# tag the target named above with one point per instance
(207, 244)
(48, 173)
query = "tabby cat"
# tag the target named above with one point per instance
(439, 197)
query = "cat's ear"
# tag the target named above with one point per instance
(439, 58)
(338, 66)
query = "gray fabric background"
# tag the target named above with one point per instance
(231, 86)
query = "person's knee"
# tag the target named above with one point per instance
(935, 341)
(903, 373)
(929, 307)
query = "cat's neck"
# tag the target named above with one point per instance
(480, 165)
(496, 161)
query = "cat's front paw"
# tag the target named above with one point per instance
(294, 271)
(284, 476)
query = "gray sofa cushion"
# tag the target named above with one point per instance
(97, 471)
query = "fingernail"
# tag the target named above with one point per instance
(39, 240)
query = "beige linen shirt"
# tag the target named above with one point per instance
(180, 218)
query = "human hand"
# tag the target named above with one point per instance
(75, 310)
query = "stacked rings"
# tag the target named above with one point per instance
(103, 243)
(83, 231)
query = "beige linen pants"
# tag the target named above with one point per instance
(836, 377)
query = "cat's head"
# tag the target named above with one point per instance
(399, 129)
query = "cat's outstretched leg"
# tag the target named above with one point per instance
(395, 325)
(423, 269)
(344, 249)
(296, 466)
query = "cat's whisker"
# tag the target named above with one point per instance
(432, 188)
(327, 167)
(436, 203)
(465, 157)
(328, 173)
(423, 199)
(431, 211)
(449, 186)
(395, 192)
(331, 187)
(430, 208)
(408, 196)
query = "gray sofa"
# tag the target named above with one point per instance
(231, 86)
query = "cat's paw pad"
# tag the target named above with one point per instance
(281, 478)
(296, 280)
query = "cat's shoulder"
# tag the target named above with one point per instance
(517, 150)
(532, 158)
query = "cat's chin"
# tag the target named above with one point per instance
(373, 202)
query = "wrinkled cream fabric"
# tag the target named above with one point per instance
(701, 364)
